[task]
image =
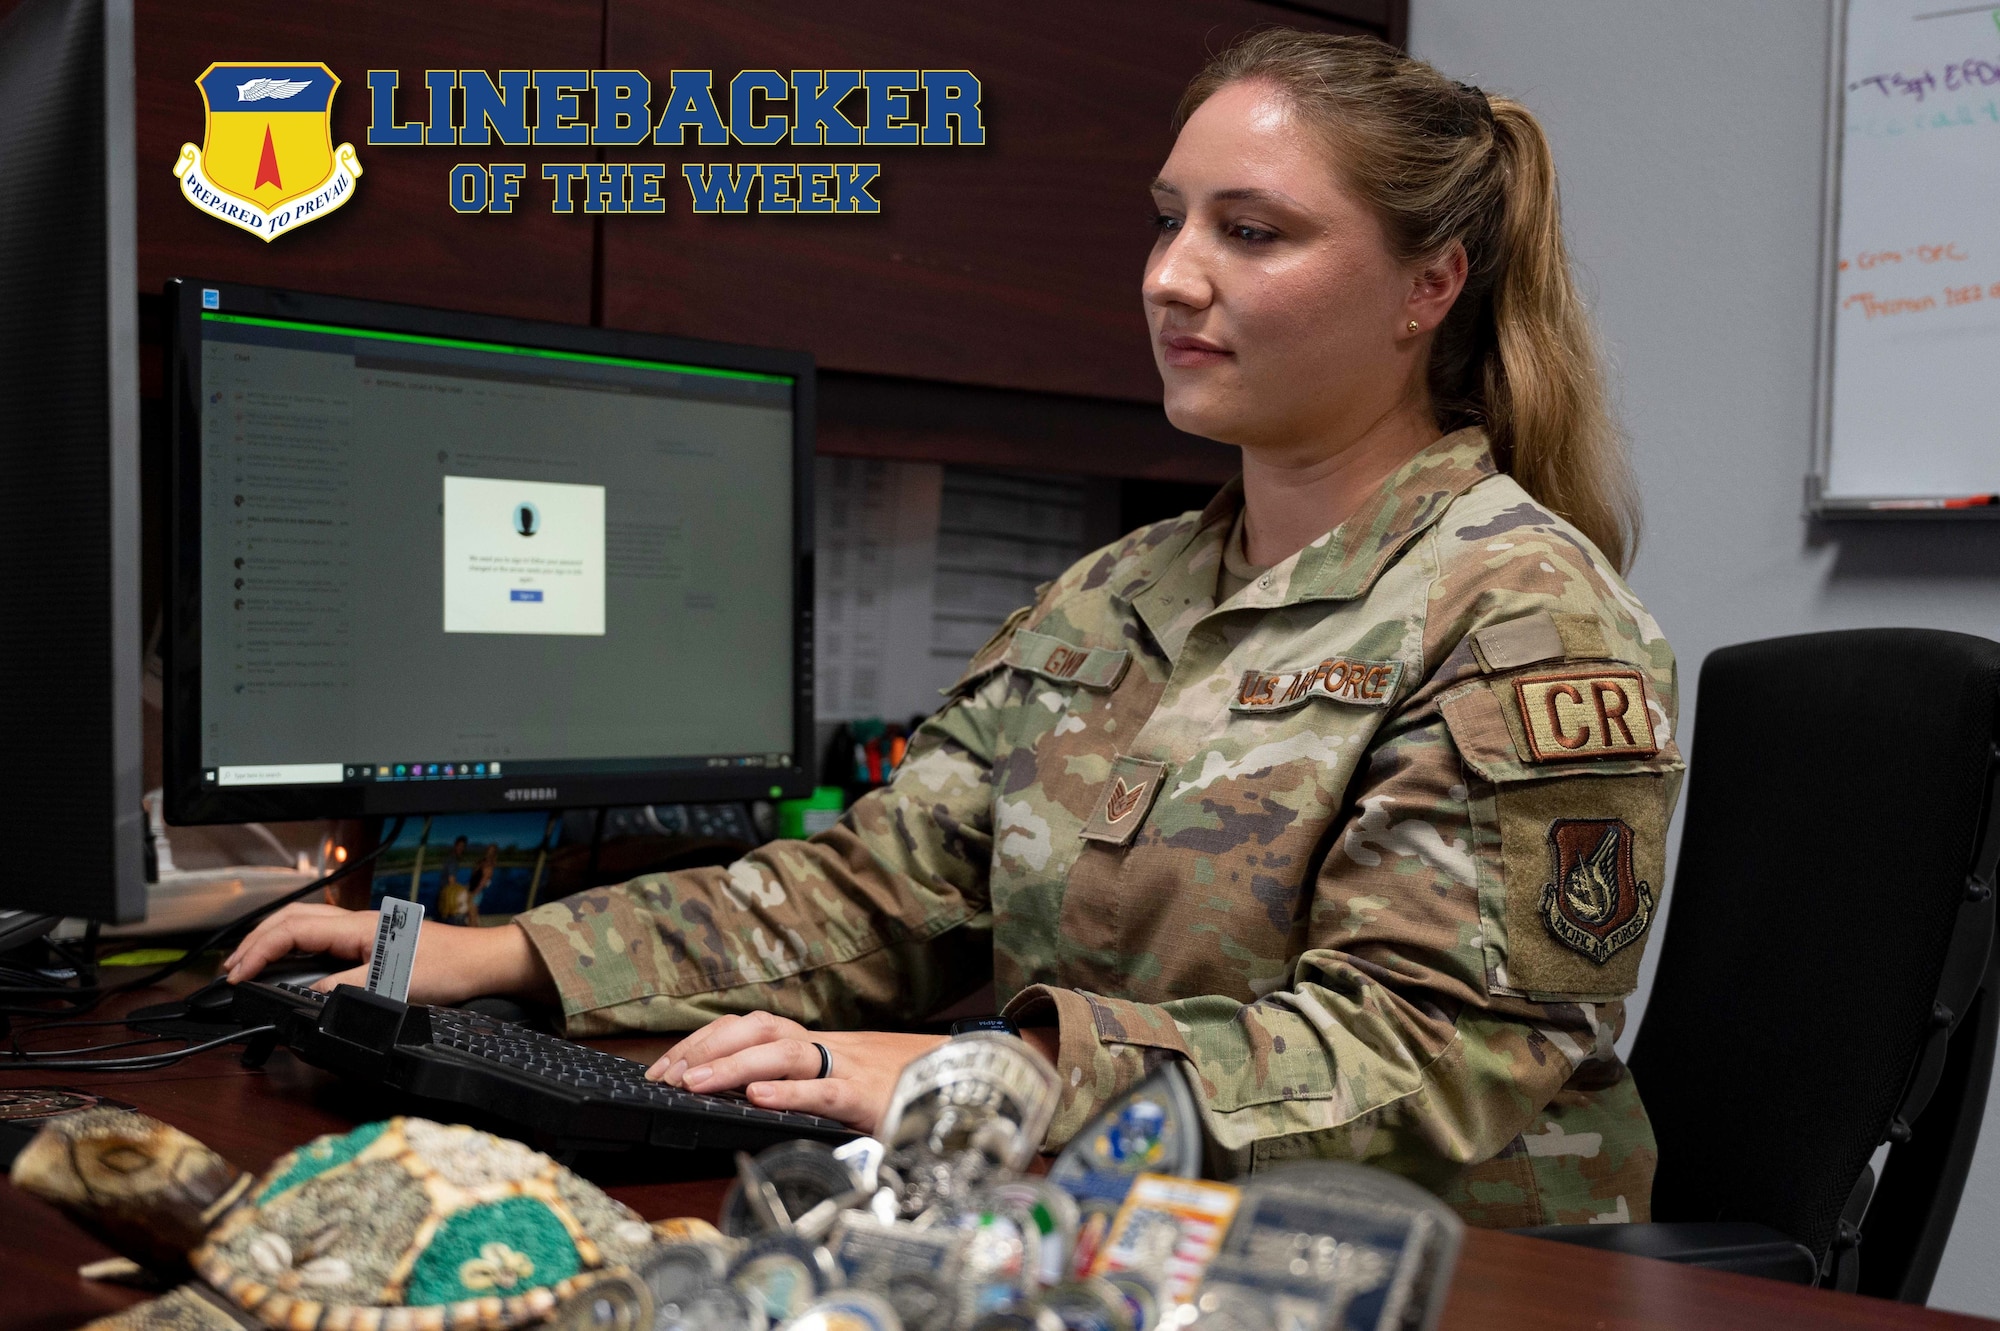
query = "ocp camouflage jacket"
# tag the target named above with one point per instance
(1374, 846)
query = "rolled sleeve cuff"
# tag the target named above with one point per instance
(1105, 1046)
(546, 934)
(582, 942)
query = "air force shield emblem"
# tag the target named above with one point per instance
(267, 161)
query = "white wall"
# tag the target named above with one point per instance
(1689, 140)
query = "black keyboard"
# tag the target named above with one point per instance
(558, 1093)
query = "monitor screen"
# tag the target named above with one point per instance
(427, 562)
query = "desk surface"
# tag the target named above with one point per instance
(252, 1117)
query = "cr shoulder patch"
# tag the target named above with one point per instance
(1576, 714)
(1128, 793)
(1366, 683)
(1066, 663)
(1594, 903)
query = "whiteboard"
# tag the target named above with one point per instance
(1910, 334)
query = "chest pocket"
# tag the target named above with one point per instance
(1071, 708)
(1059, 733)
(1044, 656)
(1580, 774)
(1062, 662)
(1057, 688)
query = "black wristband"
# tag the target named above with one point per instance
(966, 1025)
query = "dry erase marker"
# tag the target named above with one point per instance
(1967, 501)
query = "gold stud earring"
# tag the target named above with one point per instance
(1413, 325)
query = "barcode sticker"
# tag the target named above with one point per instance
(395, 954)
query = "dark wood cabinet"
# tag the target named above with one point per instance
(1014, 265)
(989, 312)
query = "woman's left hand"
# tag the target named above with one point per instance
(773, 1061)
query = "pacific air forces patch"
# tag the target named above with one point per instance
(1593, 902)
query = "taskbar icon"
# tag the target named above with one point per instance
(451, 771)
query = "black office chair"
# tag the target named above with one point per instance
(1826, 981)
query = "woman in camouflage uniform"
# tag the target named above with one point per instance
(1349, 791)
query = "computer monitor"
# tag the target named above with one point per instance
(425, 561)
(70, 637)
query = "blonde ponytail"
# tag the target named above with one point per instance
(1440, 162)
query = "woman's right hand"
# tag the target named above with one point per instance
(453, 964)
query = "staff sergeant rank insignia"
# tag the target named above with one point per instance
(267, 161)
(1122, 806)
(1596, 904)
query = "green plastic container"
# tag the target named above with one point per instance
(799, 819)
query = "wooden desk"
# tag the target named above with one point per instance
(1503, 1281)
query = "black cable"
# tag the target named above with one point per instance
(66, 1022)
(86, 1049)
(14, 1035)
(150, 1062)
(92, 995)
(86, 971)
(22, 977)
(76, 962)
